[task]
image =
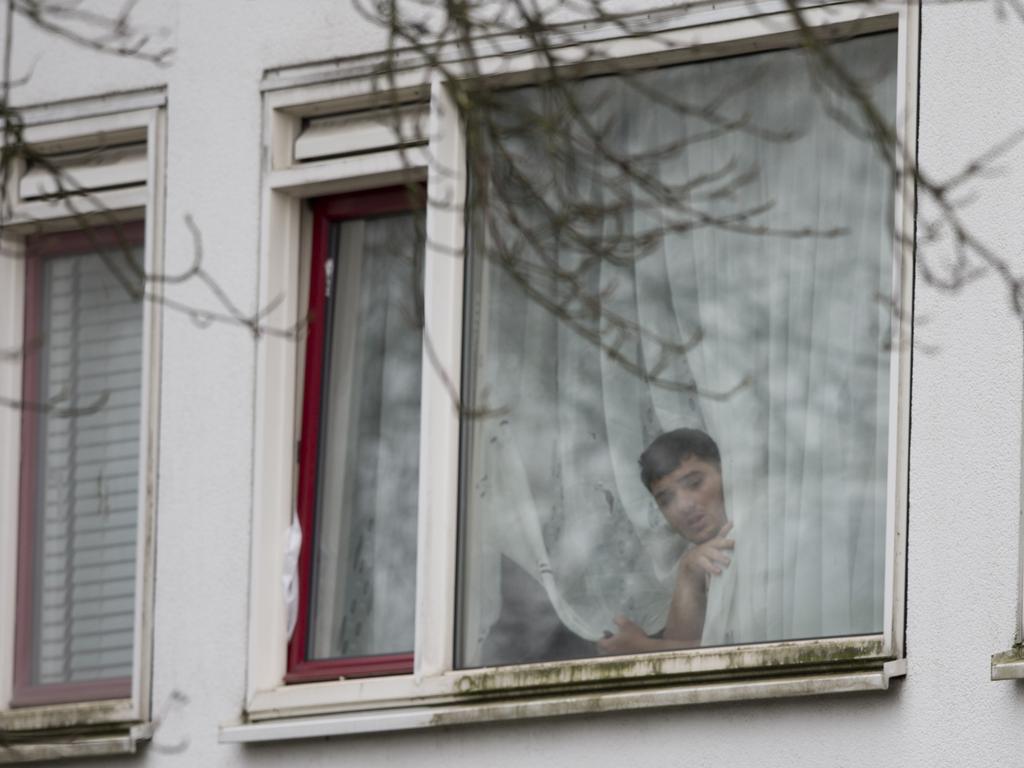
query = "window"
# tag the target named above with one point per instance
(359, 461)
(1009, 664)
(77, 463)
(710, 317)
(79, 468)
(620, 372)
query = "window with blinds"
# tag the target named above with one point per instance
(80, 468)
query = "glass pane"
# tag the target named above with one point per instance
(678, 342)
(86, 468)
(365, 552)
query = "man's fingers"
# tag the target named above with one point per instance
(719, 557)
(626, 625)
(708, 566)
(725, 529)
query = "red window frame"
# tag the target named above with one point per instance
(328, 211)
(39, 248)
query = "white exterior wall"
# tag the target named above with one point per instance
(964, 458)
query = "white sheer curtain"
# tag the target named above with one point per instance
(794, 327)
(364, 599)
(805, 320)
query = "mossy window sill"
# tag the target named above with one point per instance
(71, 743)
(584, 702)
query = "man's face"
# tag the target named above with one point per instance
(690, 498)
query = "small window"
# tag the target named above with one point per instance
(80, 314)
(81, 443)
(359, 449)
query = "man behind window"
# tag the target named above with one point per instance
(682, 469)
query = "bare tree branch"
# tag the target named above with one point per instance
(115, 35)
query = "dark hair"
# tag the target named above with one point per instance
(668, 450)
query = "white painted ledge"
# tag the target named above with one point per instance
(480, 712)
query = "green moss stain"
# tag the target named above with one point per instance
(557, 677)
(552, 679)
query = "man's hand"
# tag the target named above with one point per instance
(710, 557)
(629, 639)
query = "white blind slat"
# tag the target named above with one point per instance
(111, 489)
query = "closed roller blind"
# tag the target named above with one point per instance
(86, 478)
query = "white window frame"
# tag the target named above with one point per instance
(117, 725)
(437, 693)
(1009, 664)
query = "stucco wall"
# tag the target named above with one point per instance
(965, 439)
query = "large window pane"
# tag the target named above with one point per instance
(705, 248)
(365, 546)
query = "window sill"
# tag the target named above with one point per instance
(72, 743)
(1008, 665)
(447, 714)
